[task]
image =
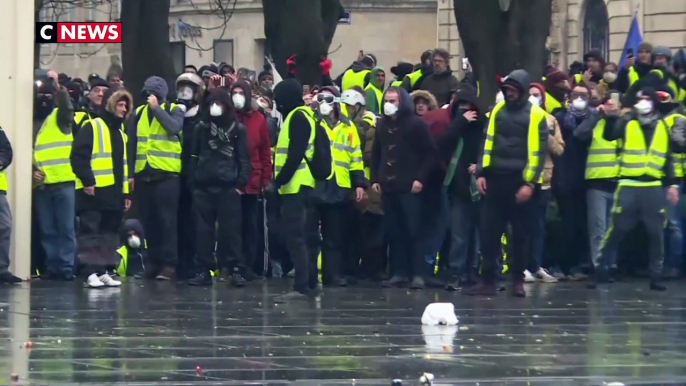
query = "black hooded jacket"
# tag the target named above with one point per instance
(510, 152)
(109, 197)
(215, 168)
(288, 97)
(403, 150)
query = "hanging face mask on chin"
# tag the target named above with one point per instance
(325, 108)
(644, 107)
(238, 101)
(215, 110)
(134, 242)
(390, 109)
(579, 104)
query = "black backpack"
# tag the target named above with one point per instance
(321, 164)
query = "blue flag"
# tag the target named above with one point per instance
(633, 40)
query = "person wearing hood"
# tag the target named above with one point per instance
(569, 186)
(403, 154)
(295, 182)
(219, 171)
(423, 102)
(377, 83)
(635, 68)
(190, 69)
(358, 74)
(53, 195)
(556, 89)
(643, 173)
(414, 78)
(99, 161)
(155, 149)
(132, 254)
(190, 91)
(556, 147)
(90, 107)
(509, 174)
(259, 145)
(662, 76)
(460, 130)
(226, 69)
(442, 81)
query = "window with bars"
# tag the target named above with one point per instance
(596, 28)
(223, 51)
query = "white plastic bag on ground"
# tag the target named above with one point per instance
(439, 314)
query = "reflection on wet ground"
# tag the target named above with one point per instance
(150, 333)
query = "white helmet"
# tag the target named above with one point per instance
(352, 98)
(190, 78)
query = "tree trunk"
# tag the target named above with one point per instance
(145, 43)
(301, 27)
(498, 42)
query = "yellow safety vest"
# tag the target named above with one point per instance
(636, 159)
(603, 156)
(345, 150)
(578, 78)
(414, 77)
(397, 83)
(80, 116)
(52, 151)
(302, 176)
(379, 97)
(678, 95)
(102, 164)
(534, 153)
(633, 76)
(551, 104)
(679, 158)
(123, 265)
(352, 79)
(156, 147)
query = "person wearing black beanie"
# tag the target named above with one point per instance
(295, 190)
(219, 171)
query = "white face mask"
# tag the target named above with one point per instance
(609, 77)
(390, 109)
(536, 101)
(238, 101)
(215, 110)
(644, 107)
(134, 242)
(579, 104)
(325, 108)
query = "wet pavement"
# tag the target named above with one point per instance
(151, 333)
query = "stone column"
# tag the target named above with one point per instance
(16, 99)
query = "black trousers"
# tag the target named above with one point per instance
(375, 247)
(98, 239)
(277, 243)
(634, 204)
(186, 234)
(500, 208)
(572, 208)
(251, 233)
(218, 222)
(296, 209)
(353, 249)
(158, 207)
(401, 224)
(329, 219)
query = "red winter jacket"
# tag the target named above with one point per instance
(260, 150)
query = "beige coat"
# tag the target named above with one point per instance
(556, 146)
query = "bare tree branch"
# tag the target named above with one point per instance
(223, 9)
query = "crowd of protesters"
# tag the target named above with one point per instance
(414, 181)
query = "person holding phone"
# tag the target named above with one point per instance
(636, 66)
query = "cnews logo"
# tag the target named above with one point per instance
(50, 32)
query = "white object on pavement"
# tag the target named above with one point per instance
(93, 281)
(108, 281)
(427, 379)
(439, 314)
(528, 277)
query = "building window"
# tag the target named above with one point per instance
(223, 51)
(178, 52)
(596, 28)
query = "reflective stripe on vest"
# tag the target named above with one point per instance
(379, 97)
(102, 164)
(52, 151)
(603, 156)
(345, 150)
(637, 159)
(352, 78)
(679, 159)
(302, 176)
(533, 143)
(156, 147)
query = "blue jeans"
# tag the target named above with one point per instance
(674, 238)
(599, 208)
(538, 237)
(464, 230)
(55, 211)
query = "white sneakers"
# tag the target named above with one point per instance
(541, 275)
(95, 281)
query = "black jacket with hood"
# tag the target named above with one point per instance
(212, 168)
(171, 121)
(357, 66)
(510, 152)
(403, 150)
(110, 197)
